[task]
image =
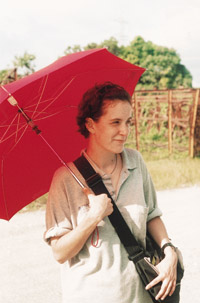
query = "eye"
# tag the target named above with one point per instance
(116, 122)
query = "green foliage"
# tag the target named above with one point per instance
(111, 45)
(164, 69)
(3, 74)
(25, 64)
(74, 49)
(163, 65)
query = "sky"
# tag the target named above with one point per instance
(46, 28)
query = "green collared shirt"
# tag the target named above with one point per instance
(103, 273)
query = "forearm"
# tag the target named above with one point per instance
(158, 231)
(69, 245)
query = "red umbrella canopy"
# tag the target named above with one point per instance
(49, 97)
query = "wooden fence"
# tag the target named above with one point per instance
(177, 111)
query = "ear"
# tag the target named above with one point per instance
(90, 125)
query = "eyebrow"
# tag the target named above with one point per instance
(129, 118)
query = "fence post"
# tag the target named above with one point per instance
(194, 115)
(136, 121)
(170, 122)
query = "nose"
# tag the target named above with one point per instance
(124, 130)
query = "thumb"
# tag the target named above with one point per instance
(87, 191)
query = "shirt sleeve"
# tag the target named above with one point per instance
(149, 192)
(58, 219)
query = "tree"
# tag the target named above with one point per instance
(25, 64)
(73, 49)
(163, 65)
(7, 76)
(21, 66)
(111, 45)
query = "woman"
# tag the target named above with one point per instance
(95, 266)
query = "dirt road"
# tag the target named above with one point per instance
(29, 274)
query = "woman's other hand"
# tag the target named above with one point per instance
(167, 274)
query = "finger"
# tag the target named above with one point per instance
(165, 291)
(153, 282)
(173, 288)
(162, 293)
(111, 210)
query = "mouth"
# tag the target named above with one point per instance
(120, 141)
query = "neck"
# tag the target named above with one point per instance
(105, 160)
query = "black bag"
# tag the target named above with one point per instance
(148, 272)
(141, 258)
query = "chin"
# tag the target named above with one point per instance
(119, 150)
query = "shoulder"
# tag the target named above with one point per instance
(132, 153)
(64, 175)
(132, 157)
(60, 174)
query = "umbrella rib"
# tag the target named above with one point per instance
(58, 95)
(12, 134)
(41, 102)
(17, 128)
(38, 112)
(48, 116)
(41, 95)
(9, 126)
(17, 141)
(51, 115)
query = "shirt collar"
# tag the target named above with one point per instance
(128, 160)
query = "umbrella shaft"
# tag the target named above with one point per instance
(29, 120)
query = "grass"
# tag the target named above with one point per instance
(173, 173)
(176, 170)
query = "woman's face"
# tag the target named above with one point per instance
(111, 130)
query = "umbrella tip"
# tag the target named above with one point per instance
(11, 99)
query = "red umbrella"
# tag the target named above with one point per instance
(48, 98)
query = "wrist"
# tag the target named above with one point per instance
(167, 248)
(94, 217)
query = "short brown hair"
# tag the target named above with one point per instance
(91, 105)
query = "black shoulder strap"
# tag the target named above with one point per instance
(95, 182)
